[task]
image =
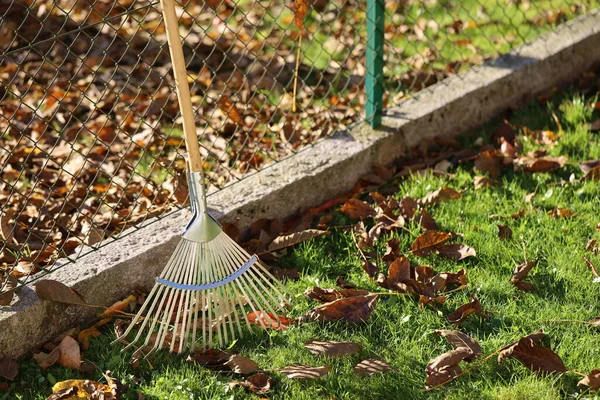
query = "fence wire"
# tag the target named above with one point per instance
(90, 139)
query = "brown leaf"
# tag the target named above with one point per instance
(442, 194)
(428, 242)
(559, 212)
(281, 242)
(541, 164)
(519, 214)
(590, 245)
(332, 349)
(462, 312)
(69, 393)
(591, 267)
(372, 366)
(352, 309)
(408, 207)
(343, 284)
(370, 268)
(258, 383)
(445, 279)
(391, 250)
(594, 125)
(591, 170)
(300, 12)
(504, 232)
(488, 163)
(591, 380)
(210, 357)
(229, 109)
(358, 209)
(458, 339)
(329, 295)
(46, 360)
(241, 365)
(118, 307)
(481, 182)
(9, 369)
(426, 221)
(445, 366)
(530, 353)
(456, 252)
(303, 371)
(276, 322)
(70, 355)
(7, 293)
(521, 271)
(55, 291)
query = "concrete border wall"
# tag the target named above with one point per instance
(316, 174)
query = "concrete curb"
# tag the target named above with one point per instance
(316, 174)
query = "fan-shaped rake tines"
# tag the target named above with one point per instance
(206, 288)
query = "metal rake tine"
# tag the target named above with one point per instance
(183, 309)
(168, 310)
(229, 312)
(185, 330)
(254, 290)
(258, 278)
(258, 292)
(156, 290)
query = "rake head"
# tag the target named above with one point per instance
(206, 288)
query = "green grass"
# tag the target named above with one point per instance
(402, 332)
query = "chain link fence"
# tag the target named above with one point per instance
(90, 139)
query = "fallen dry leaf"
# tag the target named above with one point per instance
(210, 357)
(7, 293)
(458, 339)
(535, 357)
(428, 242)
(591, 170)
(426, 221)
(372, 366)
(370, 268)
(281, 242)
(303, 371)
(268, 320)
(591, 380)
(46, 360)
(481, 182)
(118, 307)
(355, 309)
(504, 232)
(521, 271)
(329, 295)
(437, 196)
(358, 209)
(559, 212)
(487, 162)
(443, 280)
(331, 348)
(300, 12)
(462, 312)
(541, 164)
(592, 267)
(70, 354)
(58, 292)
(445, 366)
(241, 365)
(456, 252)
(258, 383)
(9, 369)
(228, 108)
(69, 393)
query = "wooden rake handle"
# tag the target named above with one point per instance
(181, 85)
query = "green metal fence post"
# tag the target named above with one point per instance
(374, 78)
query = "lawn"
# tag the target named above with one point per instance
(400, 330)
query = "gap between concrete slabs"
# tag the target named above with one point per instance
(314, 175)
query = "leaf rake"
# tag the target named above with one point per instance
(209, 281)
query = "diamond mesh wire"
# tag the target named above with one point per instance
(91, 144)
